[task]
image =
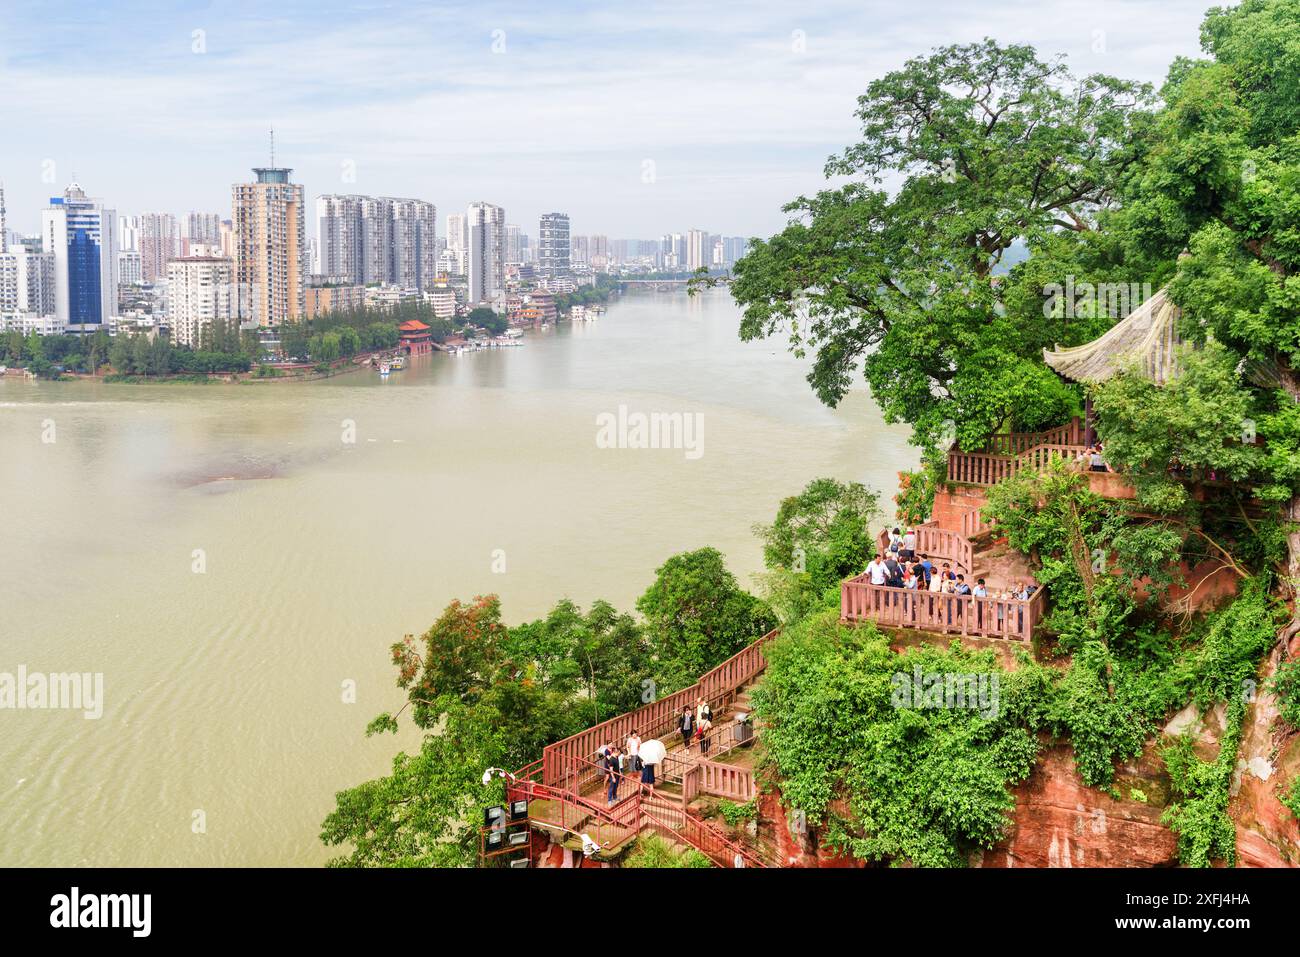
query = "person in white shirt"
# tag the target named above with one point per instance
(877, 570)
(908, 551)
(634, 749)
(980, 591)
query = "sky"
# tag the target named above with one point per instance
(636, 118)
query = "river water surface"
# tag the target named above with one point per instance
(229, 561)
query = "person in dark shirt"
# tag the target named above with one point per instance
(686, 725)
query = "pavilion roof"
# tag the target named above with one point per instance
(412, 325)
(1147, 337)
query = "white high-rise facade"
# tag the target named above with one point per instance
(698, 249)
(200, 290)
(485, 226)
(81, 235)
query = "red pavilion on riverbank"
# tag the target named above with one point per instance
(415, 337)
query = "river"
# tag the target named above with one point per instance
(233, 558)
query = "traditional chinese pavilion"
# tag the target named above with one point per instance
(415, 337)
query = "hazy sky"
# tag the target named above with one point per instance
(729, 109)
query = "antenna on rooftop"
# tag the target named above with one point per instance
(273, 147)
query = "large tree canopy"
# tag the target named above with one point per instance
(986, 145)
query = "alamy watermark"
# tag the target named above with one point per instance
(651, 430)
(57, 691)
(1085, 299)
(976, 691)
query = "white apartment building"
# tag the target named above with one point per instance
(485, 226)
(200, 290)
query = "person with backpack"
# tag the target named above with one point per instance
(702, 730)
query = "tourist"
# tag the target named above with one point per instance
(895, 541)
(877, 571)
(612, 776)
(908, 549)
(648, 776)
(929, 568)
(686, 725)
(634, 749)
(909, 580)
(936, 582)
(980, 590)
(702, 732)
(1095, 460)
(702, 711)
(960, 586)
(894, 571)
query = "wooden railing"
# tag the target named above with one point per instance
(972, 523)
(940, 612)
(986, 468)
(658, 718)
(1013, 443)
(638, 808)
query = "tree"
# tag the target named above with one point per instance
(991, 145)
(1222, 182)
(697, 616)
(819, 537)
(601, 658)
(478, 708)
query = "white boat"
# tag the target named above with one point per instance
(399, 362)
(384, 369)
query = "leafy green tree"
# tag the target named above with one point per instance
(991, 145)
(921, 785)
(600, 658)
(1221, 180)
(477, 707)
(697, 616)
(818, 538)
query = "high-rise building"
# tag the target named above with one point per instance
(457, 245)
(4, 224)
(513, 250)
(698, 250)
(485, 226)
(268, 221)
(81, 235)
(159, 242)
(200, 291)
(365, 240)
(578, 249)
(415, 244)
(203, 228)
(553, 244)
(130, 269)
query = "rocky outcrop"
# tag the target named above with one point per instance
(1061, 822)
(1268, 759)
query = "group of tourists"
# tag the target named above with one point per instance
(1091, 458)
(899, 566)
(694, 725)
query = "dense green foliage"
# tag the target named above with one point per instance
(1285, 684)
(818, 538)
(697, 616)
(1091, 554)
(1199, 813)
(651, 850)
(992, 145)
(924, 786)
(483, 695)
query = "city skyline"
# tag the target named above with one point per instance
(615, 116)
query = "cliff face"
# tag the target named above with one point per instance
(1268, 834)
(1060, 822)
